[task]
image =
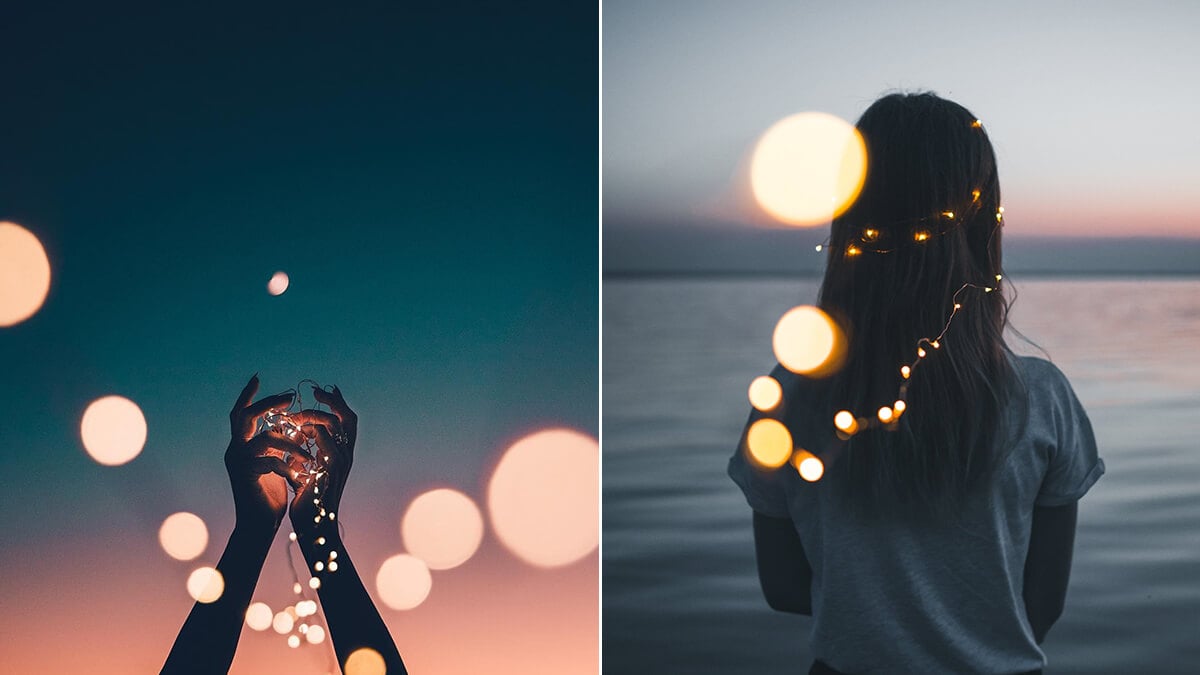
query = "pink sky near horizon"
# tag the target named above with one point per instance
(109, 604)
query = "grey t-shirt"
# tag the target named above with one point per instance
(905, 597)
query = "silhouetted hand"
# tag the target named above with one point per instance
(334, 433)
(260, 466)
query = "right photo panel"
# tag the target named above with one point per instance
(900, 314)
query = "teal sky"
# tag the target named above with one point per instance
(427, 178)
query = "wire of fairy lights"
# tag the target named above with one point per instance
(309, 631)
(873, 239)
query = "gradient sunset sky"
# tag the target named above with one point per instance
(427, 178)
(1089, 105)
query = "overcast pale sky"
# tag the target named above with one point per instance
(1092, 107)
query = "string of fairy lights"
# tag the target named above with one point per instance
(766, 396)
(304, 627)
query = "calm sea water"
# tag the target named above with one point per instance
(680, 591)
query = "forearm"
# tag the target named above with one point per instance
(783, 569)
(1048, 566)
(209, 636)
(353, 620)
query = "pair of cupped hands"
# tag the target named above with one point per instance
(262, 465)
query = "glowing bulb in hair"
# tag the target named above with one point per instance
(899, 407)
(948, 214)
(976, 124)
(845, 421)
(870, 234)
(920, 235)
(974, 195)
(905, 371)
(809, 466)
(920, 352)
(885, 414)
(852, 250)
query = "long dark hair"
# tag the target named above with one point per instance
(924, 225)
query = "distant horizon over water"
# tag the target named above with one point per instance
(680, 590)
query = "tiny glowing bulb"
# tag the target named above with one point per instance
(853, 250)
(999, 277)
(844, 420)
(322, 511)
(321, 541)
(920, 235)
(957, 306)
(303, 628)
(935, 344)
(296, 588)
(999, 216)
(905, 371)
(988, 289)
(314, 583)
(819, 247)
(332, 566)
(948, 214)
(885, 414)
(810, 467)
(974, 195)
(316, 519)
(1000, 210)
(292, 536)
(976, 124)
(333, 555)
(920, 352)
(331, 515)
(899, 407)
(870, 234)
(316, 490)
(319, 566)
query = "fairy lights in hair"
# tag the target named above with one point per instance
(877, 240)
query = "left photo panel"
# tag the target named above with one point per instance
(300, 341)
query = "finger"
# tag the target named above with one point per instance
(337, 404)
(330, 449)
(271, 464)
(327, 420)
(244, 399)
(268, 440)
(269, 403)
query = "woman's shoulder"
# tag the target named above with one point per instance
(1040, 376)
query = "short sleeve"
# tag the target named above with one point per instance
(765, 489)
(1074, 463)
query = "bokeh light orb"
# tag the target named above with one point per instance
(809, 466)
(403, 581)
(183, 535)
(24, 274)
(544, 497)
(808, 342)
(259, 616)
(315, 635)
(442, 527)
(808, 168)
(293, 641)
(364, 661)
(278, 283)
(113, 430)
(205, 584)
(769, 443)
(765, 393)
(282, 622)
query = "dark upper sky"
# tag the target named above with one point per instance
(427, 177)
